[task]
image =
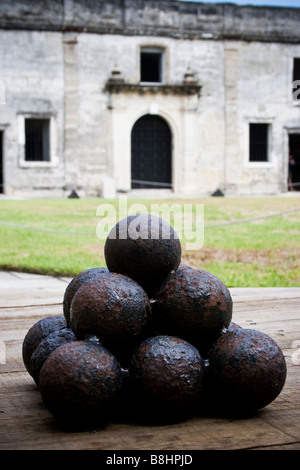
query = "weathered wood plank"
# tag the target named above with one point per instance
(23, 289)
(245, 294)
(35, 312)
(26, 424)
(27, 300)
(36, 430)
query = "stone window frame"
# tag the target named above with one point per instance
(260, 164)
(260, 141)
(159, 48)
(53, 160)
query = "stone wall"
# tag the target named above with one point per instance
(31, 64)
(170, 18)
(56, 60)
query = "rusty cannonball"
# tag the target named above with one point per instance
(247, 370)
(233, 326)
(166, 374)
(46, 347)
(143, 247)
(194, 305)
(80, 383)
(114, 308)
(37, 332)
(85, 276)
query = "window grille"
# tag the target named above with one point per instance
(37, 144)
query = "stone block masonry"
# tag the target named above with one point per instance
(73, 68)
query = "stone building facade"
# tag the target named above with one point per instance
(105, 97)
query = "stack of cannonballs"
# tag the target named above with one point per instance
(150, 337)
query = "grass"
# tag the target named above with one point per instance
(258, 253)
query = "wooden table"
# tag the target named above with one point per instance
(26, 424)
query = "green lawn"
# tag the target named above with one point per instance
(62, 239)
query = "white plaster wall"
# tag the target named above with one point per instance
(241, 82)
(264, 94)
(106, 121)
(31, 67)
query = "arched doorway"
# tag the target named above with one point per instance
(151, 153)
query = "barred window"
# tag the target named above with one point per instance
(259, 142)
(37, 140)
(151, 63)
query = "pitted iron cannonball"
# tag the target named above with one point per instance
(85, 276)
(38, 332)
(145, 248)
(233, 326)
(194, 305)
(114, 308)
(166, 373)
(247, 370)
(46, 347)
(80, 383)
